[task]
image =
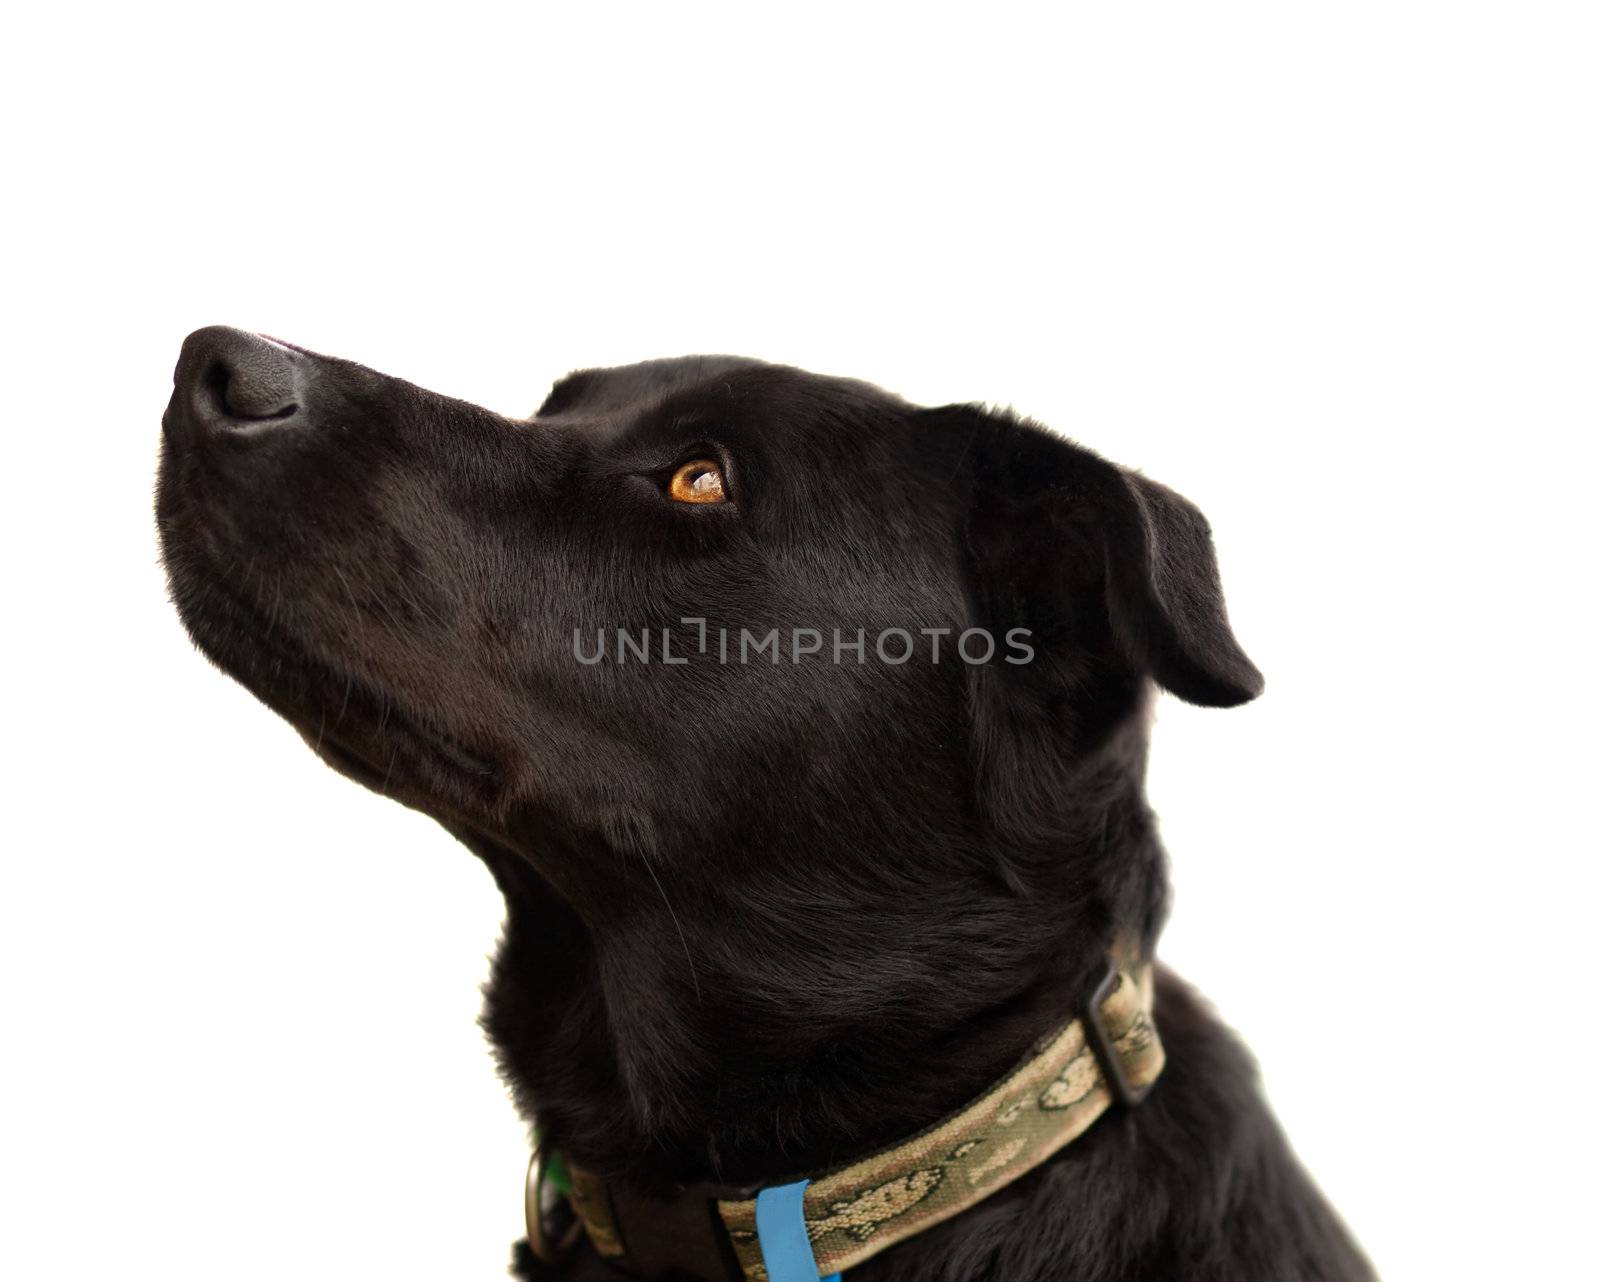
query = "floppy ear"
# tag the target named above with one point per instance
(1053, 521)
(1164, 595)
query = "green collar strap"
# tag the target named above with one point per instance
(1110, 1054)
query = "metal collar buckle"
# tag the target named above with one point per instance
(553, 1226)
(1105, 1046)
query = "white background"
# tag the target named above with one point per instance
(1330, 271)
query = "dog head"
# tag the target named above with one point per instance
(702, 609)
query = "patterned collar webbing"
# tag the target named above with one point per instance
(852, 1213)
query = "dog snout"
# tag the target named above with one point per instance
(231, 381)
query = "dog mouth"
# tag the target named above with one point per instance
(370, 734)
(266, 514)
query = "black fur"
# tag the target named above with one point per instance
(761, 918)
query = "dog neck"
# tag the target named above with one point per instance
(724, 1035)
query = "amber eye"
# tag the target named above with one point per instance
(698, 482)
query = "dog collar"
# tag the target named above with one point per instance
(807, 1229)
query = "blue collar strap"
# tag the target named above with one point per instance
(781, 1231)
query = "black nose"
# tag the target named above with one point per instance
(228, 380)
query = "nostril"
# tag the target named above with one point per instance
(229, 378)
(240, 398)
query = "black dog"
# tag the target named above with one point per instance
(786, 881)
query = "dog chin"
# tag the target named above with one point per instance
(409, 761)
(364, 734)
